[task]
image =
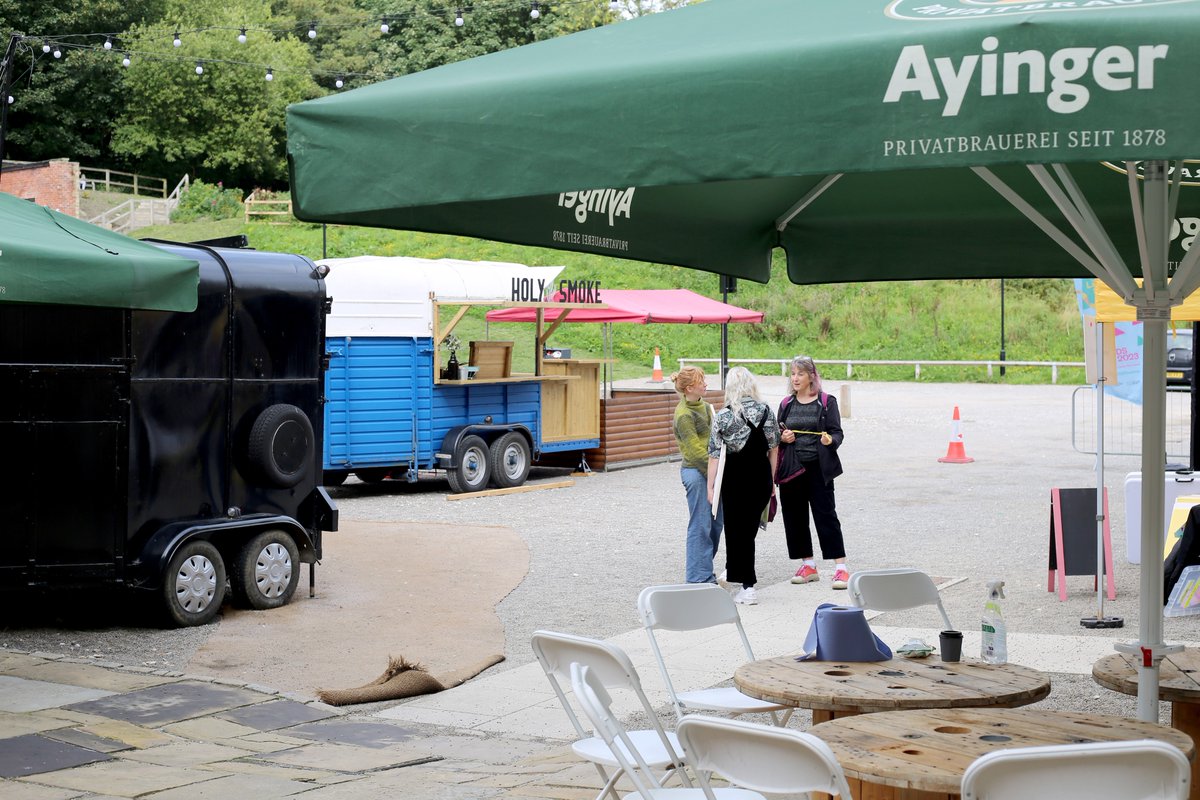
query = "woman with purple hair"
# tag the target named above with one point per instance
(810, 435)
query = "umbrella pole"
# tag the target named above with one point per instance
(1153, 311)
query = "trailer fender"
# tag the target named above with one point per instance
(226, 534)
(489, 432)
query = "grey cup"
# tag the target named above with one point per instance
(950, 643)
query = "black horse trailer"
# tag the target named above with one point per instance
(177, 453)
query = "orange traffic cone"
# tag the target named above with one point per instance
(955, 453)
(657, 374)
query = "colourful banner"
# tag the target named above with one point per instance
(1127, 337)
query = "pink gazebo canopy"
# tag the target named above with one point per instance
(641, 306)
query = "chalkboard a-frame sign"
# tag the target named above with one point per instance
(1073, 539)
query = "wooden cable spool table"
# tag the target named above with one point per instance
(834, 689)
(922, 754)
(1178, 683)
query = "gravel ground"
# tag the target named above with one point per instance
(595, 545)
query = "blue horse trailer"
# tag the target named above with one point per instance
(389, 409)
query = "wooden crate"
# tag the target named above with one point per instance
(494, 359)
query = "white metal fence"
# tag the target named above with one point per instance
(850, 364)
(1123, 424)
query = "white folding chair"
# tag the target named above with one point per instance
(895, 590)
(692, 607)
(756, 757)
(759, 757)
(1139, 770)
(611, 668)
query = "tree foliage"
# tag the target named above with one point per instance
(159, 117)
(64, 107)
(225, 124)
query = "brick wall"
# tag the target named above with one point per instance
(49, 183)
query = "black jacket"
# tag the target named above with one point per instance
(830, 422)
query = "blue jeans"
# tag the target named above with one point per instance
(704, 531)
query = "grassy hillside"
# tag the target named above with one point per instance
(936, 320)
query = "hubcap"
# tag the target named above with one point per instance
(195, 584)
(514, 460)
(473, 466)
(273, 570)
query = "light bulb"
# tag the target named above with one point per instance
(45, 47)
(384, 27)
(312, 31)
(57, 52)
(339, 83)
(270, 75)
(534, 13)
(199, 68)
(458, 18)
(10, 99)
(242, 36)
(108, 43)
(177, 41)
(614, 5)
(125, 60)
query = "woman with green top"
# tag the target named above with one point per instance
(693, 423)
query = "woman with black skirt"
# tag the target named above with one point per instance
(747, 428)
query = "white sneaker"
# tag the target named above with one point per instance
(747, 596)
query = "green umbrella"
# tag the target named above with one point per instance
(48, 257)
(870, 139)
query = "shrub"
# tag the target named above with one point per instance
(206, 201)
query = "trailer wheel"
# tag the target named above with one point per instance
(373, 475)
(281, 445)
(471, 474)
(334, 477)
(510, 460)
(194, 584)
(267, 571)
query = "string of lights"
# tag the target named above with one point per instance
(56, 46)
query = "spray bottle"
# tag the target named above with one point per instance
(994, 649)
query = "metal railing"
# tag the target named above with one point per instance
(112, 180)
(1123, 424)
(916, 365)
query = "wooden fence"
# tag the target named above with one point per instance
(275, 211)
(111, 180)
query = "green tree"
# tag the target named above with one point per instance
(226, 124)
(64, 107)
(346, 44)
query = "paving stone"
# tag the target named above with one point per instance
(187, 754)
(276, 714)
(236, 786)
(35, 754)
(25, 694)
(21, 724)
(209, 729)
(341, 758)
(361, 734)
(493, 750)
(122, 778)
(247, 767)
(27, 790)
(504, 781)
(132, 735)
(89, 675)
(14, 659)
(82, 738)
(168, 702)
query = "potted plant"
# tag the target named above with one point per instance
(451, 343)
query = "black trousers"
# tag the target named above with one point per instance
(796, 497)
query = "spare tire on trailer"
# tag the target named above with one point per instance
(281, 445)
